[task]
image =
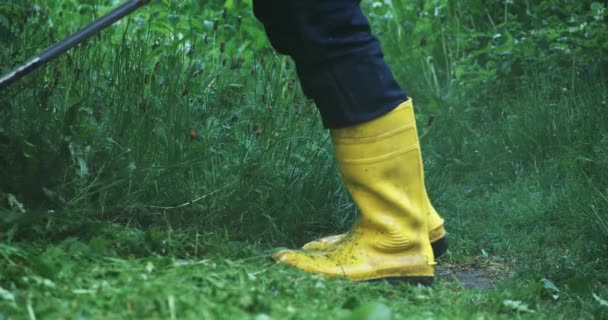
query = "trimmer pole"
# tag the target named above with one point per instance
(71, 41)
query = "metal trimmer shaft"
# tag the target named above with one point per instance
(71, 41)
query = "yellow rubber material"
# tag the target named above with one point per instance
(381, 167)
(435, 233)
(435, 223)
(329, 241)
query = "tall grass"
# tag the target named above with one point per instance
(499, 106)
(133, 129)
(190, 126)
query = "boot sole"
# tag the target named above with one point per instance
(425, 281)
(440, 247)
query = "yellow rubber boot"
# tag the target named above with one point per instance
(380, 165)
(437, 236)
(436, 233)
(435, 225)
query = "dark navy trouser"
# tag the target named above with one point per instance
(338, 60)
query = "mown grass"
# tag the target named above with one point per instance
(155, 180)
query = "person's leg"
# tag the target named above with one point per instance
(341, 67)
(338, 60)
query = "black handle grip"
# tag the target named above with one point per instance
(71, 41)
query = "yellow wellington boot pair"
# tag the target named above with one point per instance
(381, 167)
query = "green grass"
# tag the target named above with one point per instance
(148, 174)
(77, 279)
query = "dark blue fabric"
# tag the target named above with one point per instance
(338, 60)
